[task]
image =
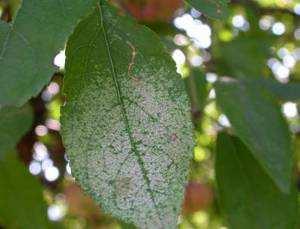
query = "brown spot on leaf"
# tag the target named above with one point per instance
(174, 137)
(123, 185)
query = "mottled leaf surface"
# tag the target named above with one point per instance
(211, 8)
(126, 124)
(14, 122)
(29, 44)
(248, 197)
(257, 120)
(21, 203)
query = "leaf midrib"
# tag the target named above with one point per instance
(6, 40)
(124, 112)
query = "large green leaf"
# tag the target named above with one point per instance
(29, 44)
(245, 56)
(258, 121)
(14, 122)
(248, 197)
(211, 8)
(21, 197)
(283, 91)
(126, 124)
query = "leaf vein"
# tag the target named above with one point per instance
(124, 112)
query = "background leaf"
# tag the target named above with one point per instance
(126, 124)
(196, 86)
(14, 122)
(247, 195)
(283, 91)
(248, 62)
(211, 8)
(29, 44)
(23, 205)
(258, 121)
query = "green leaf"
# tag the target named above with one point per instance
(29, 44)
(14, 122)
(126, 124)
(21, 198)
(211, 8)
(257, 120)
(196, 87)
(247, 196)
(250, 59)
(283, 91)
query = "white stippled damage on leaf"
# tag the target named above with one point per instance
(126, 123)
